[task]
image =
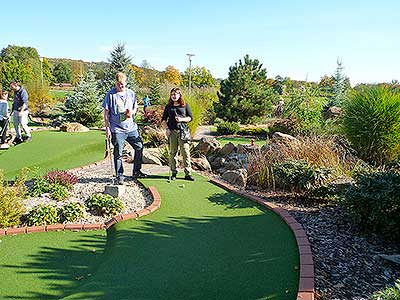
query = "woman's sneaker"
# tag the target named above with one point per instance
(189, 177)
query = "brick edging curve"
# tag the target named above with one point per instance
(58, 227)
(306, 282)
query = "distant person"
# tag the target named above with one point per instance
(175, 119)
(120, 107)
(146, 104)
(20, 112)
(4, 119)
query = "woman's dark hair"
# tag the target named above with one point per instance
(180, 100)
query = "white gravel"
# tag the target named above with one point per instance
(92, 180)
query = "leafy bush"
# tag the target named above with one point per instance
(71, 212)
(390, 293)
(58, 192)
(11, 207)
(254, 131)
(42, 215)
(374, 203)
(300, 176)
(40, 186)
(228, 128)
(63, 178)
(371, 122)
(103, 204)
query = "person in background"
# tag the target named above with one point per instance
(4, 118)
(176, 114)
(120, 107)
(146, 104)
(20, 112)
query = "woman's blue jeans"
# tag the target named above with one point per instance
(118, 141)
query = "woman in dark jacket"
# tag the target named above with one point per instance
(175, 119)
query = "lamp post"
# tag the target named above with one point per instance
(41, 67)
(190, 70)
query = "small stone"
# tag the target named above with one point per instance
(114, 190)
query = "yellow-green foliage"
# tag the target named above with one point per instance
(11, 207)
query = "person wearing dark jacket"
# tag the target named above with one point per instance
(20, 112)
(175, 119)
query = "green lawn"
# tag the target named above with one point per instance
(59, 94)
(53, 150)
(238, 140)
(203, 243)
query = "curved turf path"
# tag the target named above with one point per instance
(203, 243)
(54, 150)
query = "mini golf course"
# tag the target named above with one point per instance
(203, 243)
(53, 150)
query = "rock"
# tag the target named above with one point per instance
(207, 146)
(151, 157)
(392, 258)
(286, 138)
(217, 162)
(201, 164)
(73, 127)
(236, 177)
(332, 112)
(227, 149)
(247, 149)
(114, 190)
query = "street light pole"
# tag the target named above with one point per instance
(190, 70)
(41, 67)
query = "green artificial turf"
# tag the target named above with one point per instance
(53, 150)
(239, 140)
(203, 243)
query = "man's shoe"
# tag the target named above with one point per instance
(173, 177)
(28, 139)
(120, 180)
(139, 174)
(189, 177)
(17, 141)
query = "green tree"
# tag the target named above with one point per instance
(200, 77)
(11, 69)
(245, 95)
(47, 73)
(62, 73)
(83, 105)
(155, 92)
(341, 85)
(119, 62)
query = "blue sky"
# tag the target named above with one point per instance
(299, 39)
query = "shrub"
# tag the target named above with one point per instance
(63, 178)
(228, 128)
(11, 207)
(390, 293)
(58, 192)
(40, 186)
(373, 203)
(103, 204)
(254, 131)
(371, 122)
(300, 176)
(42, 215)
(71, 212)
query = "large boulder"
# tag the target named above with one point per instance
(247, 149)
(201, 164)
(207, 146)
(332, 112)
(73, 127)
(227, 149)
(151, 157)
(285, 138)
(236, 177)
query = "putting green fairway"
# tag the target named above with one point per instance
(203, 243)
(53, 150)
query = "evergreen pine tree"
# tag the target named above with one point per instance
(119, 62)
(83, 105)
(340, 85)
(245, 95)
(155, 89)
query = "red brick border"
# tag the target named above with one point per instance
(58, 227)
(307, 276)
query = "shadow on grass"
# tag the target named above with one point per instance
(236, 257)
(231, 201)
